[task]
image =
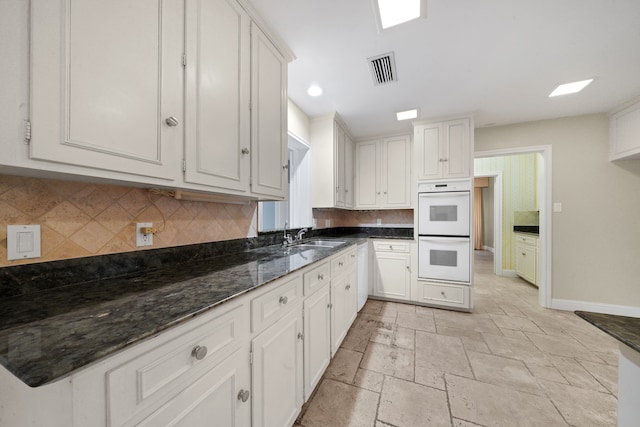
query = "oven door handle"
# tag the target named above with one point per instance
(444, 239)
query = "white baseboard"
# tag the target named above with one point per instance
(571, 305)
(509, 273)
(489, 248)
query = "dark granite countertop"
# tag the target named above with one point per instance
(531, 229)
(624, 329)
(51, 331)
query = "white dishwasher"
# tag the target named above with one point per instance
(363, 274)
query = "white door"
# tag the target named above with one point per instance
(217, 140)
(444, 258)
(392, 275)
(220, 397)
(317, 338)
(269, 159)
(428, 140)
(367, 175)
(444, 214)
(277, 372)
(396, 172)
(106, 85)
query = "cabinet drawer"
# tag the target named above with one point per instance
(151, 379)
(443, 294)
(392, 246)
(526, 240)
(270, 306)
(343, 261)
(315, 278)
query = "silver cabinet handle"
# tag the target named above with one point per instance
(285, 167)
(340, 263)
(378, 193)
(443, 294)
(245, 150)
(347, 287)
(244, 395)
(320, 276)
(385, 192)
(300, 336)
(171, 121)
(283, 300)
(445, 160)
(346, 190)
(353, 255)
(199, 352)
(408, 268)
(391, 247)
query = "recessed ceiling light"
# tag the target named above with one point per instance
(406, 115)
(567, 88)
(314, 90)
(393, 12)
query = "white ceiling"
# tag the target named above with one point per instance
(497, 59)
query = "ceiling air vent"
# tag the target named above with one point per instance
(383, 68)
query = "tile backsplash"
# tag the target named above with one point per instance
(82, 219)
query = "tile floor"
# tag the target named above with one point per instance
(509, 363)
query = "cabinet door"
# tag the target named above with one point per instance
(212, 399)
(396, 172)
(348, 172)
(217, 140)
(526, 262)
(277, 372)
(392, 276)
(317, 338)
(269, 159)
(104, 78)
(457, 149)
(428, 140)
(367, 166)
(339, 162)
(338, 310)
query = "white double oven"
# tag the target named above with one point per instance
(444, 225)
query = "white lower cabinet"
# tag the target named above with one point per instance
(391, 269)
(317, 338)
(277, 372)
(344, 306)
(527, 257)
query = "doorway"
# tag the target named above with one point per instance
(543, 189)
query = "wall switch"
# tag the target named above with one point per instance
(379, 221)
(557, 207)
(143, 239)
(23, 241)
(327, 223)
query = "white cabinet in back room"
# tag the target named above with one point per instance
(383, 173)
(444, 149)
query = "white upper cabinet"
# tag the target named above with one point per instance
(106, 85)
(383, 173)
(269, 164)
(624, 133)
(444, 149)
(217, 140)
(331, 163)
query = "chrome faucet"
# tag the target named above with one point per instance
(287, 237)
(300, 233)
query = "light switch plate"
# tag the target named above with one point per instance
(23, 242)
(557, 207)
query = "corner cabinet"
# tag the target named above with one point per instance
(383, 173)
(444, 149)
(184, 94)
(332, 159)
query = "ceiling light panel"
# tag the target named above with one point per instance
(567, 88)
(407, 115)
(390, 13)
(314, 90)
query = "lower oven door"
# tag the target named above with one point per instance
(444, 258)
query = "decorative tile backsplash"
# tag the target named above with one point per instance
(82, 219)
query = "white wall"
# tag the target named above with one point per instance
(298, 122)
(596, 237)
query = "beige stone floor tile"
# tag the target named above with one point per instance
(372, 306)
(441, 353)
(582, 407)
(338, 404)
(461, 333)
(516, 323)
(430, 377)
(462, 423)
(344, 365)
(516, 348)
(393, 308)
(609, 358)
(502, 371)
(421, 322)
(424, 310)
(596, 341)
(369, 379)
(492, 405)
(357, 339)
(561, 346)
(473, 345)
(549, 373)
(394, 361)
(512, 310)
(605, 374)
(512, 333)
(399, 337)
(466, 321)
(374, 321)
(576, 374)
(406, 404)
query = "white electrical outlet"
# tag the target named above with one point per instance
(327, 223)
(315, 223)
(379, 221)
(143, 239)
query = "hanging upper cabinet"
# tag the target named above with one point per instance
(217, 94)
(106, 85)
(269, 159)
(444, 149)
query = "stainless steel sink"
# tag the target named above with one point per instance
(321, 243)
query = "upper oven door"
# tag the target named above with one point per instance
(444, 214)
